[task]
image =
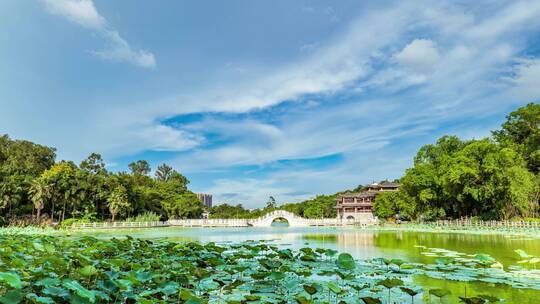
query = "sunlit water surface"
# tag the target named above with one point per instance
(364, 244)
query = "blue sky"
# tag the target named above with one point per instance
(256, 98)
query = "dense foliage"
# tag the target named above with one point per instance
(36, 189)
(492, 178)
(226, 211)
(44, 269)
(322, 206)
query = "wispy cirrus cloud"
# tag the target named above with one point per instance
(85, 14)
(526, 78)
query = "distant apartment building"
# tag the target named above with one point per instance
(206, 199)
(359, 205)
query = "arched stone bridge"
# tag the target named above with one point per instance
(267, 219)
(364, 219)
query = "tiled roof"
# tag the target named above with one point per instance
(360, 194)
(384, 185)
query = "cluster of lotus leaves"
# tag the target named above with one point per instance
(46, 269)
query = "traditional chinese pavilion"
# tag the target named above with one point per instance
(359, 205)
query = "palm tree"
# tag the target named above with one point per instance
(39, 193)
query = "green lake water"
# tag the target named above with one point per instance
(365, 244)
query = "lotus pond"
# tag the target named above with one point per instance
(274, 265)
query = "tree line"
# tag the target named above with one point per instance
(491, 178)
(35, 189)
(321, 206)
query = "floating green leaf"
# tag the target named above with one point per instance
(345, 261)
(12, 297)
(439, 293)
(472, 300)
(370, 300)
(390, 283)
(79, 290)
(12, 279)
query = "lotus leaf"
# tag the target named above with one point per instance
(333, 287)
(12, 279)
(472, 300)
(390, 283)
(439, 293)
(345, 261)
(12, 297)
(370, 300)
(79, 290)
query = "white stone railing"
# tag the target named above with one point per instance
(210, 223)
(119, 225)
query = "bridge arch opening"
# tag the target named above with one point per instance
(280, 222)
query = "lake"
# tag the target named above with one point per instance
(371, 243)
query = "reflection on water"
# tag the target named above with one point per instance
(365, 244)
(282, 223)
(360, 243)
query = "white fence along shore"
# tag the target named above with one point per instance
(478, 224)
(119, 225)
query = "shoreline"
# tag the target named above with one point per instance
(389, 228)
(493, 231)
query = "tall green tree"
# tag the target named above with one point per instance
(93, 164)
(140, 168)
(39, 194)
(487, 179)
(95, 183)
(182, 206)
(226, 211)
(521, 131)
(390, 204)
(118, 201)
(271, 203)
(63, 182)
(178, 180)
(164, 172)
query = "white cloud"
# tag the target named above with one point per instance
(85, 14)
(166, 138)
(82, 12)
(519, 16)
(526, 79)
(420, 56)
(121, 51)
